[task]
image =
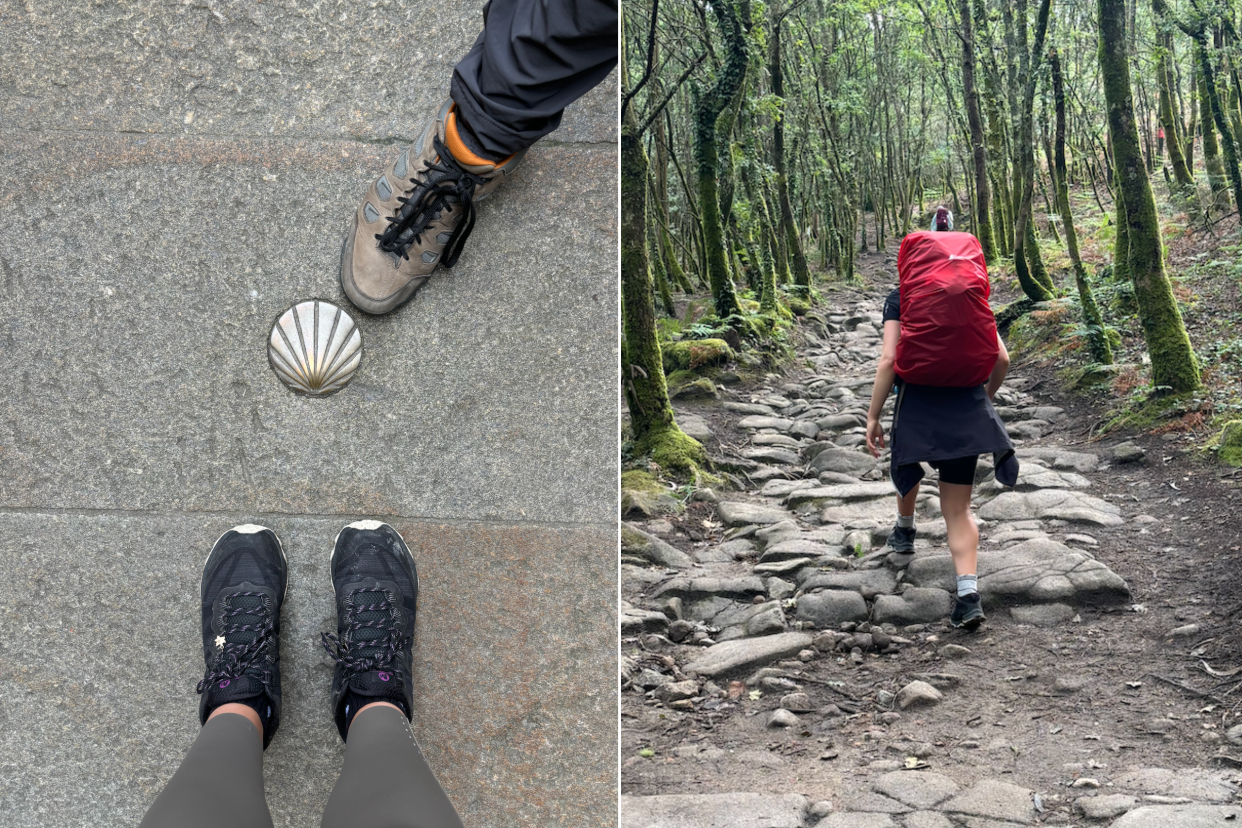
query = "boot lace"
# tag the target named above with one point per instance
(244, 643)
(445, 183)
(372, 639)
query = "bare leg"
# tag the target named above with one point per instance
(905, 505)
(241, 710)
(963, 533)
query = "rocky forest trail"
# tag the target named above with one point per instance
(782, 668)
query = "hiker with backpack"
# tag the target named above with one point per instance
(946, 361)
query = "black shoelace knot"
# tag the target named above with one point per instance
(372, 639)
(244, 643)
(445, 183)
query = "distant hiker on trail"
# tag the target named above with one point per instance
(944, 356)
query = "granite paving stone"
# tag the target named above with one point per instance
(993, 799)
(918, 790)
(1182, 816)
(99, 715)
(140, 375)
(333, 69)
(732, 656)
(727, 810)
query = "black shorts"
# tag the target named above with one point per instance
(959, 470)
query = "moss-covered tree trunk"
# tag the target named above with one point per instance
(1222, 123)
(1121, 240)
(710, 105)
(789, 231)
(1172, 359)
(1097, 339)
(982, 214)
(642, 368)
(1032, 275)
(658, 273)
(1172, 142)
(675, 271)
(1218, 179)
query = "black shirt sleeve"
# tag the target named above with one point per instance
(892, 306)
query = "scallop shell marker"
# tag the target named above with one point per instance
(315, 348)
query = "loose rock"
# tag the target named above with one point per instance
(918, 694)
(783, 718)
(1105, 807)
(1128, 453)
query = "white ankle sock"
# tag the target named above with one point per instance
(967, 584)
(905, 521)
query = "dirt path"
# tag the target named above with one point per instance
(771, 648)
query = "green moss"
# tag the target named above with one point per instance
(699, 389)
(643, 494)
(1229, 444)
(632, 541)
(1082, 377)
(798, 307)
(641, 481)
(673, 451)
(1151, 411)
(679, 378)
(694, 353)
(689, 385)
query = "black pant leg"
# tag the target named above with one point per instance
(534, 58)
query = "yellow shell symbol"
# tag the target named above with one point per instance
(315, 348)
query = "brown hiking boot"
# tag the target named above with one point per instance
(417, 216)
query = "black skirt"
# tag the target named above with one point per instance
(932, 424)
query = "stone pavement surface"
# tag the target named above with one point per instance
(806, 549)
(1148, 798)
(173, 177)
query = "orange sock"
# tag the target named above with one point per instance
(457, 146)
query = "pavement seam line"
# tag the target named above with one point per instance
(385, 141)
(238, 514)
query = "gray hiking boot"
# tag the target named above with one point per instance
(417, 216)
(901, 539)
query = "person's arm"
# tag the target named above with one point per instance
(884, 377)
(999, 370)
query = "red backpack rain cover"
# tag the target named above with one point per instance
(948, 332)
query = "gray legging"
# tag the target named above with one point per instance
(385, 780)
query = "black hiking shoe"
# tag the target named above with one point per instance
(243, 586)
(901, 539)
(967, 612)
(376, 587)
